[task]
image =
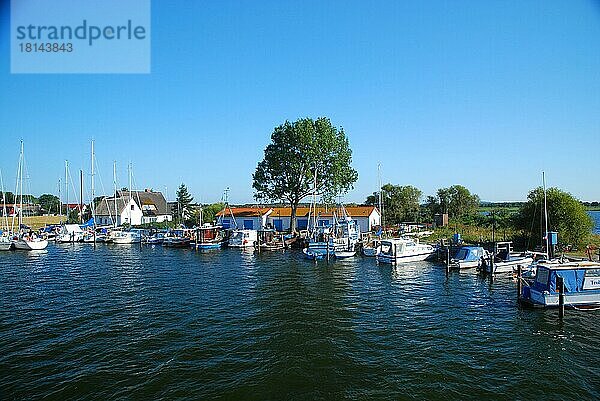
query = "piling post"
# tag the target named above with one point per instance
(447, 260)
(561, 297)
(492, 267)
(519, 282)
(327, 248)
(258, 242)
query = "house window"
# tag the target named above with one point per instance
(132, 207)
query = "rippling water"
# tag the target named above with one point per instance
(153, 323)
(596, 217)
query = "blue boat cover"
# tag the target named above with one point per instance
(89, 223)
(573, 280)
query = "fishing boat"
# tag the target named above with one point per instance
(244, 238)
(337, 241)
(505, 260)
(581, 285)
(154, 239)
(269, 240)
(372, 246)
(469, 257)
(177, 239)
(402, 250)
(209, 236)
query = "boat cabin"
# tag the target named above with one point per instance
(581, 285)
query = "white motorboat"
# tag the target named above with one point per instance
(402, 250)
(244, 238)
(508, 261)
(125, 237)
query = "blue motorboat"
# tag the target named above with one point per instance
(581, 285)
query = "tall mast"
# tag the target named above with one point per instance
(21, 184)
(67, 189)
(3, 203)
(546, 215)
(59, 197)
(81, 195)
(128, 203)
(380, 192)
(115, 186)
(92, 184)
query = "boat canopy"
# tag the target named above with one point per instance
(72, 228)
(469, 253)
(545, 279)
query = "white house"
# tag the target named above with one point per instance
(135, 208)
(366, 217)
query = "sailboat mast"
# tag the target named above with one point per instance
(3, 203)
(21, 184)
(67, 189)
(546, 215)
(59, 196)
(130, 197)
(380, 192)
(92, 184)
(115, 186)
(81, 195)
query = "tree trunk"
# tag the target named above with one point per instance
(294, 207)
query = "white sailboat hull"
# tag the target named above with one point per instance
(30, 245)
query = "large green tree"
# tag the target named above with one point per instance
(184, 200)
(304, 157)
(566, 215)
(456, 200)
(49, 203)
(209, 212)
(400, 203)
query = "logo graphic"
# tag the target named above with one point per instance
(80, 36)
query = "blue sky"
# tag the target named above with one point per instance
(486, 94)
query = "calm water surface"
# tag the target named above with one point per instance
(596, 217)
(152, 323)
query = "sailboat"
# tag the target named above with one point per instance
(5, 242)
(26, 240)
(118, 235)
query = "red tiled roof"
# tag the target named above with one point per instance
(244, 211)
(353, 211)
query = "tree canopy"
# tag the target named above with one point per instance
(566, 215)
(184, 200)
(303, 157)
(49, 203)
(456, 200)
(400, 203)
